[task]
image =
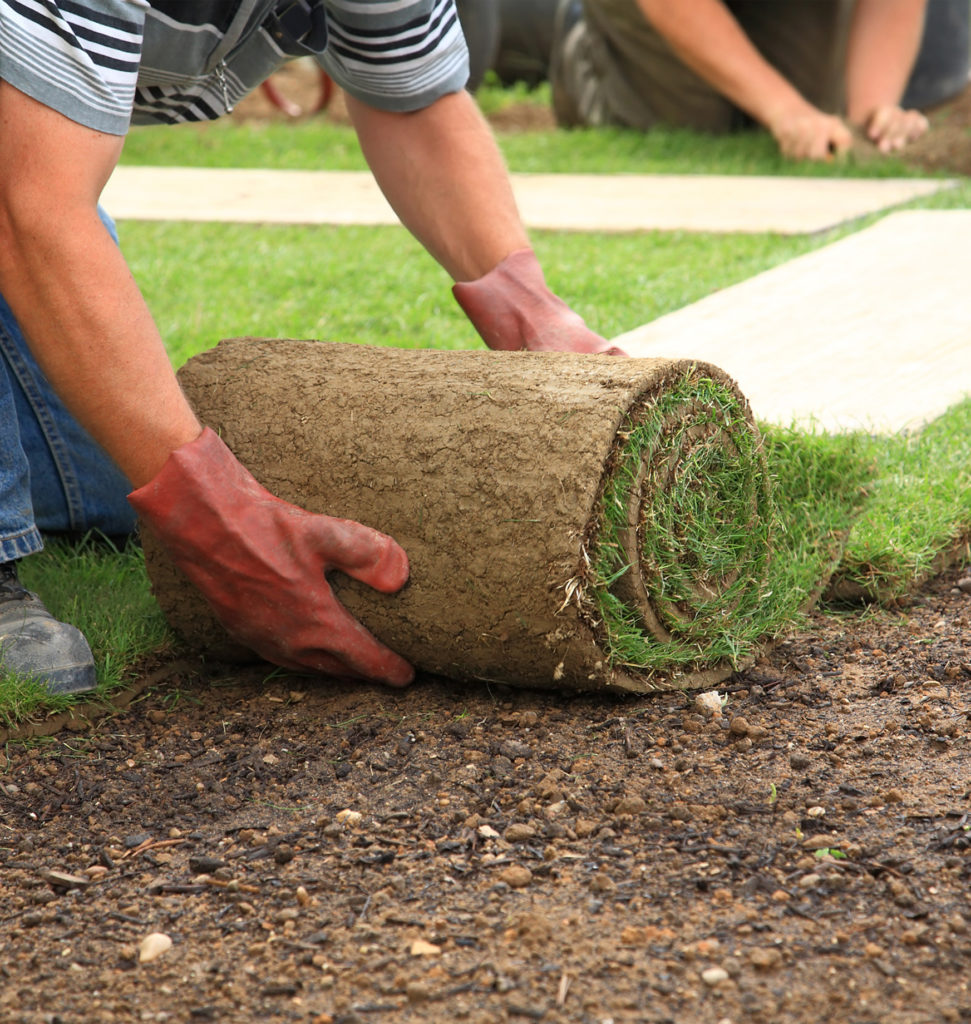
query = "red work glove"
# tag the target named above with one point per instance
(260, 563)
(512, 308)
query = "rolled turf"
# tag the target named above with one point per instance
(571, 521)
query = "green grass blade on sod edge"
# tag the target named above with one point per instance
(817, 486)
(693, 465)
(797, 500)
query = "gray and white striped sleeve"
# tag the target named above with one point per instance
(80, 58)
(396, 54)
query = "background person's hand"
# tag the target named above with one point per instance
(261, 562)
(512, 308)
(891, 128)
(806, 133)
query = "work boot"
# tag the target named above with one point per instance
(33, 644)
(564, 82)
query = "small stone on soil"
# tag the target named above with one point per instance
(713, 976)
(516, 876)
(153, 946)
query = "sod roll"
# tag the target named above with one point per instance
(571, 521)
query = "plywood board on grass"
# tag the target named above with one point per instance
(696, 202)
(615, 203)
(871, 332)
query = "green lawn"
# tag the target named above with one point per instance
(205, 282)
(319, 144)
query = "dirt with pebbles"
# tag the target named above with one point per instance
(797, 849)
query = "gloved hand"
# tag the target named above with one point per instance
(260, 563)
(512, 308)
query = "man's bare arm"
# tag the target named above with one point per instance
(884, 41)
(73, 294)
(443, 174)
(710, 41)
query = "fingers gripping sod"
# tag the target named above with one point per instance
(261, 563)
(891, 129)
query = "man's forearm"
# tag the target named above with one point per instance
(884, 41)
(91, 333)
(707, 37)
(442, 172)
(73, 294)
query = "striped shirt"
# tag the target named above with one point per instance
(109, 63)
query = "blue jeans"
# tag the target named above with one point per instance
(53, 476)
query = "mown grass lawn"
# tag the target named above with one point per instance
(376, 286)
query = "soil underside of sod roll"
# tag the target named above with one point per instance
(571, 521)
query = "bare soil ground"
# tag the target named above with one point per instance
(456, 853)
(331, 853)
